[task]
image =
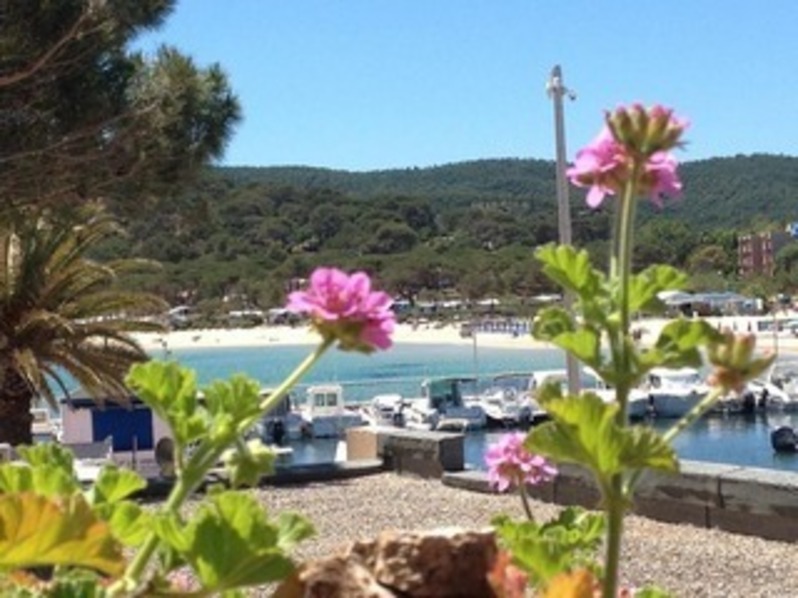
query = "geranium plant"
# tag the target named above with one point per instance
(60, 539)
(630, 159)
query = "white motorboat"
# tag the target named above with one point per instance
(325, 414)
(442, 407)
(385, 410)
(775, 390)
(781, 385)
(283, 422)
(674, 392)
(509, 401)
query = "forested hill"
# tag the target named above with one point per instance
(469, 226)
(729, 192)
(467, 181)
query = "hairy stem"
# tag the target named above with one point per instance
(696, 412)
(621, 350)
(525, 501)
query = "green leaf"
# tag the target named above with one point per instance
(246, 463)
(551, 322)
(584, 430)
(48, 454)
(231, 403)
(47, 469)
(231, 544)
(72, 583)
(646, 286)
(36, 531)
(679, 344)
(584, 344)
(129, 523)
(114, 484)
(293, 529)
(171, 392)
(557, 326)
(543, 550)
(570, 269)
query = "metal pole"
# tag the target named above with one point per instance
(556, 90)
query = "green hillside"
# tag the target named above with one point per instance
(468, 228)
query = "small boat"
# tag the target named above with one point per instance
(674, 392)
(325, 413)
(784, 440)
(282, 423)
(385, 410)
(777, 390)
(442, 406)
(509, 401)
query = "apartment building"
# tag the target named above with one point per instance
(756, 252)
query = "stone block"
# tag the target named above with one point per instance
(760, 491)
(697, 484)
(422, 453)
(672, 511)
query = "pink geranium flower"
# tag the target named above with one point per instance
(602, 166)
(661, 178)
(343, 307)
(510, 464)
(632, 137)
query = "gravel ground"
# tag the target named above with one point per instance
(685, 560)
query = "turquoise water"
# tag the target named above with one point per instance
(399, 370)
(739, 440)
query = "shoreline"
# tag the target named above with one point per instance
(427, 334)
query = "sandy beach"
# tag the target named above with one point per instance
(260, 336)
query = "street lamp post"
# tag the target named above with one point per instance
(556, 90)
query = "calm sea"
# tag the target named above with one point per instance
(737, 440)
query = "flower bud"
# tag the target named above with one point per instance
(646, 132)
(734, 362)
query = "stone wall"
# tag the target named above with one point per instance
(745, 500)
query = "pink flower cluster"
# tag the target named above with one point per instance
(343, 307)
(632, 137)
(510, 464)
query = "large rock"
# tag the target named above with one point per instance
(439, 563)
(335, 577)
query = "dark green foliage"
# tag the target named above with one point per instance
(81, 116)
(468, 228)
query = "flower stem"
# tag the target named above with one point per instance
(525, 501)
(274, 398)
(615, 513)
(696, 412)
(621, 351)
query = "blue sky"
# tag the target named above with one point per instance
(377, 84)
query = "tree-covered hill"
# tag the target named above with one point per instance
(470, 227)
(718, 193)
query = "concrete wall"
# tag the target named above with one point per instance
(759, 502)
